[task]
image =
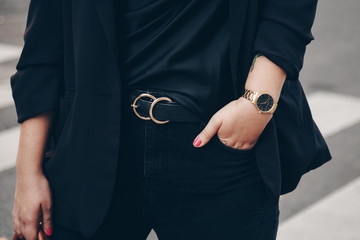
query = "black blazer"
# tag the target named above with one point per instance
(70, 65)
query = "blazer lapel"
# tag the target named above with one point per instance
(106, 13)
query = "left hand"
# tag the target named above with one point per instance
(238, 125)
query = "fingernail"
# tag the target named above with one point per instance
(48, 231)
(197, 142)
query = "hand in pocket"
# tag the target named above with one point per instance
(238, 125)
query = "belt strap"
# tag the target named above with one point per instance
(162, 110)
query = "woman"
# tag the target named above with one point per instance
(140, 115)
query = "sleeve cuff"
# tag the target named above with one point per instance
(281, 45)
(33, 97)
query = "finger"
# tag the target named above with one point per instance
(16, 227)
(41, 235)
(15, 237)
(29, 229)
(18, 236)
(47, 218)
(206, 134)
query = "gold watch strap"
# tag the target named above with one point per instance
(252, 97)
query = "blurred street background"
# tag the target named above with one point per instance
(326, 204)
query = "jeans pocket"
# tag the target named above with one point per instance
(219, 142)
(225, 147)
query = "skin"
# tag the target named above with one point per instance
(32, 201)
(238, 125)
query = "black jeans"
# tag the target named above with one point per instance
(184, 193)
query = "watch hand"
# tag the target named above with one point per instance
(262, 103)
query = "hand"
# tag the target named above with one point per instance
(238, 125)
(32, 204)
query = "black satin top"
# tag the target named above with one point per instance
(179, 47)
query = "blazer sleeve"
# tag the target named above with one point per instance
(36, 83)
(283, 32)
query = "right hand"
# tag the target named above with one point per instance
(32, 204)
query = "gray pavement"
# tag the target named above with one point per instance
(13, 15)
(332, 64)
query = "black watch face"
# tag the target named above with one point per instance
(265, 102)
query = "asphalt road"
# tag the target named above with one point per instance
(332, 64)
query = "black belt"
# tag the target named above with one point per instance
(156, 106)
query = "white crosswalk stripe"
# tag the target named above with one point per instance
(5, 95)
(9, 52)
(9, 142)
(331, 215)
(334, 112)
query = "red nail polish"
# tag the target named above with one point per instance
(197, 142)
(48, 231)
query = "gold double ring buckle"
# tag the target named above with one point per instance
(155, 100)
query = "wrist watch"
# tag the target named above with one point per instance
(263, 102)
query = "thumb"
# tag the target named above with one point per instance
(206, 134)
(47, 219)
(41, 235)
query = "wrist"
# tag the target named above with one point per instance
(271, 87)
(28, 171)
(252, 108)
(263, 102)
(266, 77)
